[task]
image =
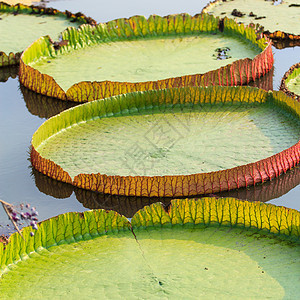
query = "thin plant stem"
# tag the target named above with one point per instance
(5, 204)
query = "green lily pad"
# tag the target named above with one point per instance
(280, 20)
(249, 249)
(148, 144)
(137, 54)
(20, 25)
(290, 82)
(151, 143)
(144, 60)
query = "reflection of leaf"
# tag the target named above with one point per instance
(7, 72)
(43, 106)
(51, 187)
(124, 205)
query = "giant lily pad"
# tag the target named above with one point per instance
(208, 247)
(20, 25)
(139, 54)
(279, 18)
(173, 142)
(290, 82)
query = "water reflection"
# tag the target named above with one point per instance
(51, 187)
(128, 206)
(264, 82)
(7, 72)
(269, 190)
(43, 106)
(281, 44)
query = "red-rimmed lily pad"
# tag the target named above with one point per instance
(280, 19)
(139, 54)
(20, 25)
(290, 82)
(173, 142)
(249, 249)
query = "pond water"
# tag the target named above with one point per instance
(21, 116)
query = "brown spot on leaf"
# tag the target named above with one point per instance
(259, 18)
(237, 13)
(4, 239)
(57, 45)
(221, 25)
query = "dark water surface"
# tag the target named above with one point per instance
(22, 112)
